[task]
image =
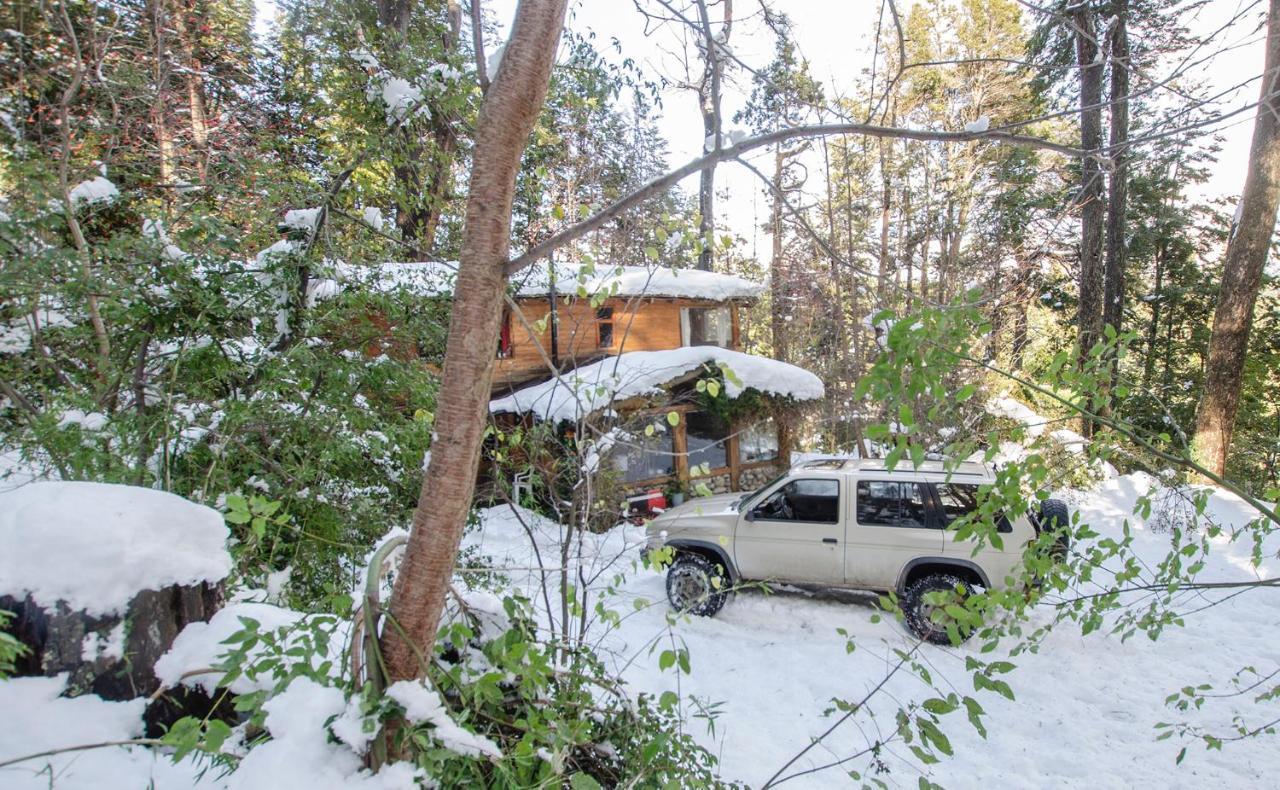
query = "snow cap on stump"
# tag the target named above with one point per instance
(95, 546)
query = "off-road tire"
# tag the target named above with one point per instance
(916, 611)
(1055, 518)
(696, 585)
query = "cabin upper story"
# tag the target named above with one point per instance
(571, 318)
(569, 315)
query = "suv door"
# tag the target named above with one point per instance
(891, 522)
(794, 532)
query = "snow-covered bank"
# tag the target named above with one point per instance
(39, 720)
(771, 665)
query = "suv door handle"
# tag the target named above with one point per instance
(832, 541)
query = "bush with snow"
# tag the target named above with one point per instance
(292, 674)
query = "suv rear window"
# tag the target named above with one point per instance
(961, 499)
(885, 503)
(957, 499)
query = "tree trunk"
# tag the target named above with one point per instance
(1149, 363)
(1021, 295)
(423, 186)
(159, 119)
(886, 205)
(709, 104)
(1090, 200)
(1118, 189)
(777, 266)
(194, 78)
(506, 119)
(1242, 273)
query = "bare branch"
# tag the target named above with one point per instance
(670, 179)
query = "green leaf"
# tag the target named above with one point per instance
(581, 781)
(938, 706)
(930, 732)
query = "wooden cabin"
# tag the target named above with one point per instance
(669, 329)
(665, 328)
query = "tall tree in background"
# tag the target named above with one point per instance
(783, 96)
(1117, 189)
(1246, 256)
(714, 52)
(423, 172)
(1090, 199)
(510, 108)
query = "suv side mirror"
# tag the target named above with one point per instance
(751, 515)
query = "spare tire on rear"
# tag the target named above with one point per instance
(1055, 519)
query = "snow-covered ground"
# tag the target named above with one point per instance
(1085, 706)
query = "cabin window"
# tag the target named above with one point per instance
(707, 436)
(505, 346)
(604, 327)
(759, 442)
(706, 326)
(646, 457)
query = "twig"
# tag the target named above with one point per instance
(81, 748)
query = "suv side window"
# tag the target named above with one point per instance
(811, 500)
(885, 503)
(960, 499)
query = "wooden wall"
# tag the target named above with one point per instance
(638, 325)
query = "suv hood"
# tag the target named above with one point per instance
(713, 514)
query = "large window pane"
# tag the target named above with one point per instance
(958, 499)
(706, 435)
(961, 499)
(812, 501)
(891, 504)
(759, 442)
(706, 326)
(646, 457)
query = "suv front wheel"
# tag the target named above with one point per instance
(696, 585)
(924, 614)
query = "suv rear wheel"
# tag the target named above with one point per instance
(925, 617)
(696, 585)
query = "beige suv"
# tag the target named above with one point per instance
(846, 523)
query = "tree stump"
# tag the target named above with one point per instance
(113, 656)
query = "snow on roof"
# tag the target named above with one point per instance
(96, 190)
(303, 219)
(95, 545)
(432, 278)
(593, 387)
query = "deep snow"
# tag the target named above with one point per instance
(95, 545)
